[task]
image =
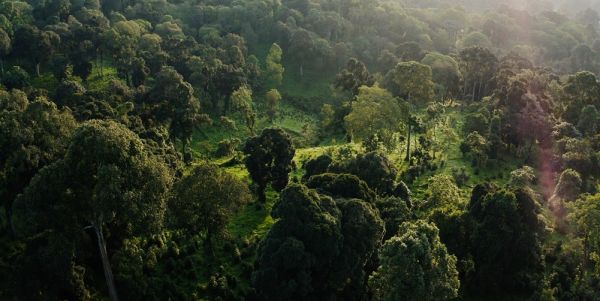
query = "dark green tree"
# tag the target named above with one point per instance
(345, 186)
(106, 182)
(415, 265)
(374, 168)
(505, 220)
(269, 159)
(205, 200)
(353, 77)
(32, 135)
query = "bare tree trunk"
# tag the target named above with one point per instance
(37, 69)
(408, 145)
(301, 70)
(110, 281)
(473, 94)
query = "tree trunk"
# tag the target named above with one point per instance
(2, 66)
(37, 69)
(473, 94)
(101, 64)
(110, 281)
(301, 70)
(408, 146)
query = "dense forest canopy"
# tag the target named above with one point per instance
(300, 150)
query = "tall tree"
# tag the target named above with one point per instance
(241, 100)
(411, 81)
(38, 45)
(505, 220)
(297, 255)
(32, 135)
(479, 65)
(415, 265)
(171, 101)
(106, 182)
(318, 249)
(302, 48)
(274, 67)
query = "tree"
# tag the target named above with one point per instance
(344, 186)
(442, 191)
(479, 65)
(523, 177)
(445, 74)
(106, 182)
(297, 255)
(205, 200)
(567, 190)
(32, 136)
(274, 68)
(16, 78)
(242, 102)
(5, 47)
(362, 231)
(476, 39)
(585, 215)
(171, 101)
(415, 265)
(355, 76)
(316, 166)
(394, 211)
(477, 146)
(580, 90)
(374, 168)
(588, 120)
(302, 47)
(411, 81)
(318, 249)
(269, 159)
(375, 111)
(505, 220)
(273, 98)
(36, 44)
(409, 51)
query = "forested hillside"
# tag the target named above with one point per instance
(300, 150)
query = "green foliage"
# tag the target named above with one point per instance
(411, 81)
(443, 192)
(374, 111)
(206, 199)
(415, 265)
(269, 159)
(242, 102)
(106, 180)
(374, 168)
(32, 136)
(445, 73)
(315, 247)
(273, 98)
(274, 68)
(505, 220)
(354, 77)
(344, 186)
